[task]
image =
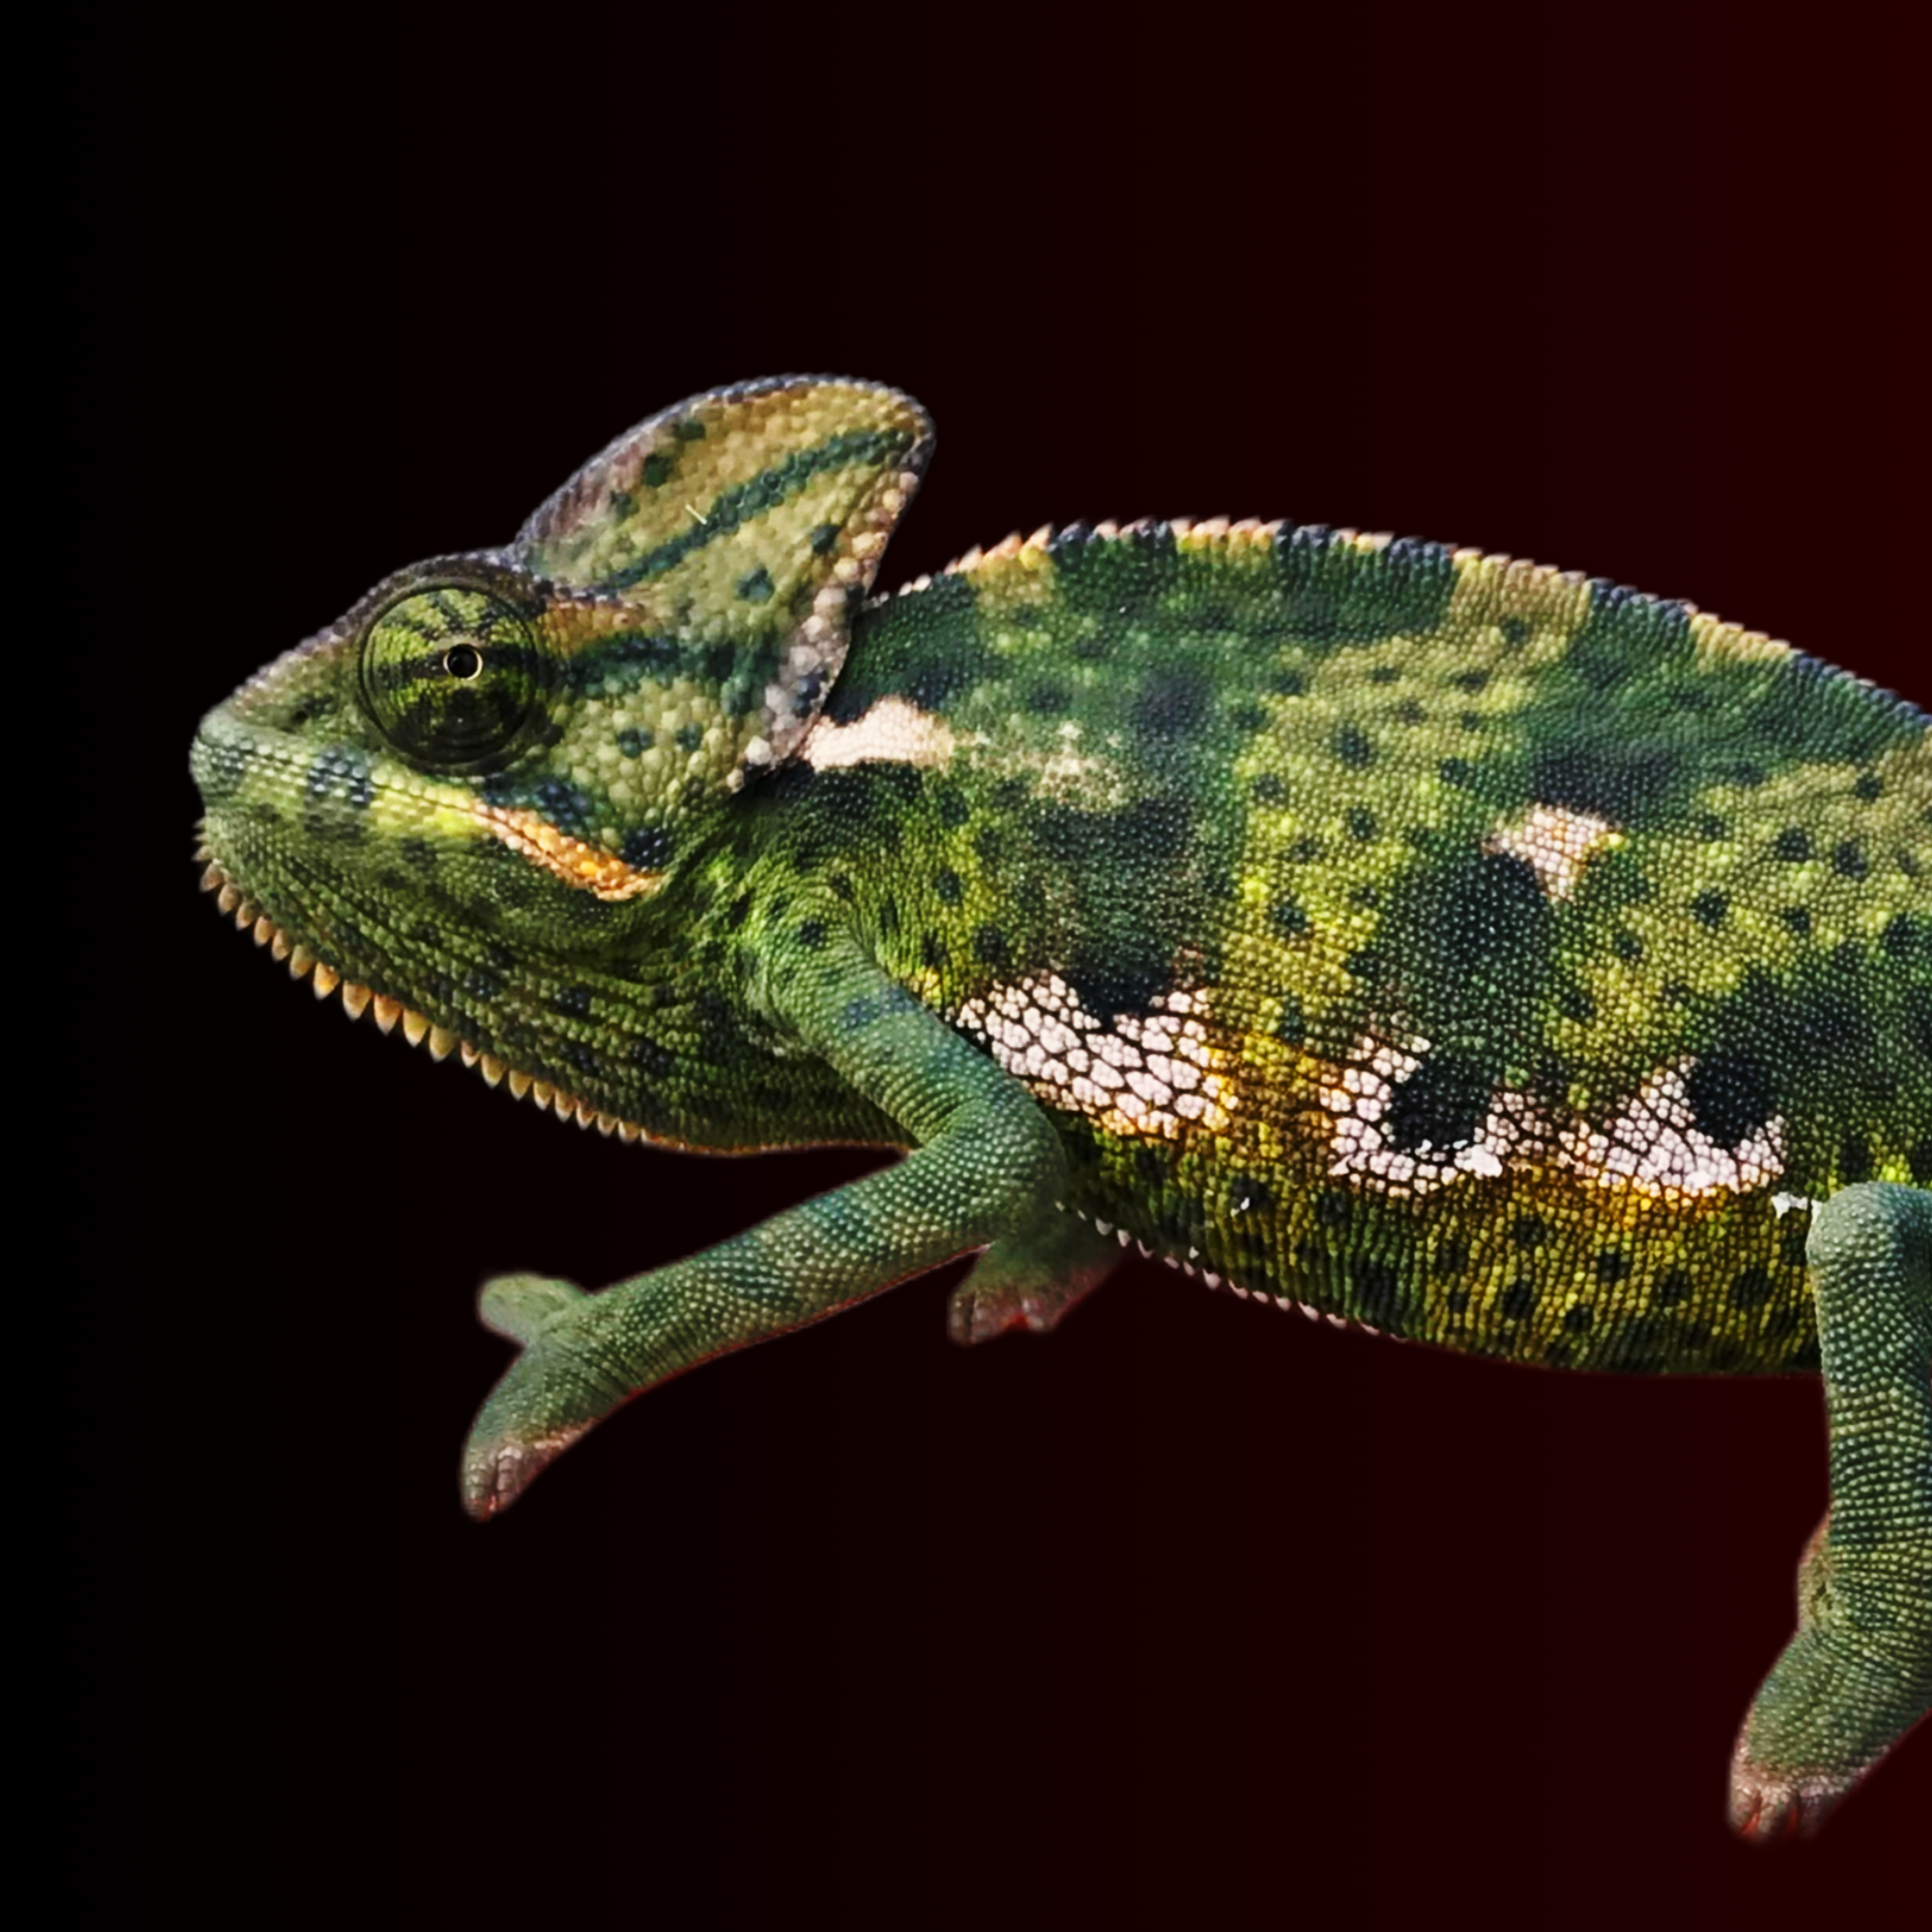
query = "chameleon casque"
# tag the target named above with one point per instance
(1486, 955)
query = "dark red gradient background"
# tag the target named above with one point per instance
(1192, 1614)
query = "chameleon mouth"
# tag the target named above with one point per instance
(389, 1014)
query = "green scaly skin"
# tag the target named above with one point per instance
(1485, 956)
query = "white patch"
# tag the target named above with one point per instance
(891, 732)
(1148, 1075)
(1782, 1204)
(1359, 1098)
(1555, 843)
(1654, 1146)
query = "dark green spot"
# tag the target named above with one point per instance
(1902, 936)
(1730, 1093)
(1353, 748)
(1377, 1292)
(1440, 1106)
(1288, 918)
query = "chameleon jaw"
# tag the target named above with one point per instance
(389, 1013)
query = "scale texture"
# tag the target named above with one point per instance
(1483, 954)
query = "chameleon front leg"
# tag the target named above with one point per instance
(986, 1162)
(1857, 1675)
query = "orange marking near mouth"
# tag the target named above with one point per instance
(589, 867)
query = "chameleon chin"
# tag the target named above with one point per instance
(1482, 954)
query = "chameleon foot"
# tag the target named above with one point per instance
(1858, 1674)
(516, 1306)
(549, 1395)
(1031, 1278)
(1783, 1784)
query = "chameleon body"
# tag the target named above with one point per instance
(1488, 955)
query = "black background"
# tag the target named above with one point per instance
(1190, 1611)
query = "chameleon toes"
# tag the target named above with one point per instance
(516, 1306)
(1031, 1278)
(1773, 1807)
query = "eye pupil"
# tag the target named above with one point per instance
(462, 660)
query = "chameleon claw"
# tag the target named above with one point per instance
(1769, 1807)
(497, 1469)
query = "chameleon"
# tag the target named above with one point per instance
(1422, 939)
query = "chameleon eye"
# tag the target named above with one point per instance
(452, 676)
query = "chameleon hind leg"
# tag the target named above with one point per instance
(1858, 1674)
(1031, 1277)
(985, 1163)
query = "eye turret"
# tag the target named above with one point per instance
(453, 677)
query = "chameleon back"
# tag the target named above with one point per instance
(1486, 954)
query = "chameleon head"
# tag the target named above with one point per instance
(486, 774)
